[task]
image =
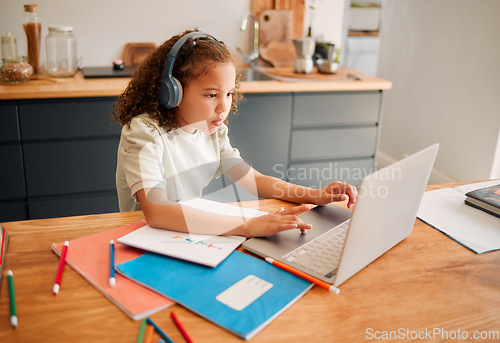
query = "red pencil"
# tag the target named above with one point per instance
(57, 283)
(181, 328)
(3, 243)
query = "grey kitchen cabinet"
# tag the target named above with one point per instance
(65, 157)
(309, 138)
(261, 130)
(13, 204)
(334, 137)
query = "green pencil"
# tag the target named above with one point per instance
(13, 316)
(141, 331)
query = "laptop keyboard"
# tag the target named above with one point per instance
(322, 254)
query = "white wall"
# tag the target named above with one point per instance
(443, 57)
(326, 20)
(103, 27)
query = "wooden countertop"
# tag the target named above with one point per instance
(426, 283)
(78, 86)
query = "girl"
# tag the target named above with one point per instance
(172, 145)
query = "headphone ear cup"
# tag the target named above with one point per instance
(179, 93)
(170, 93)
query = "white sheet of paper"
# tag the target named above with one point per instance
(445, 210)
(244, 292)
(209, 250)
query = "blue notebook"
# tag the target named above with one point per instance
(243, 294)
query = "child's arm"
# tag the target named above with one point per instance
(165, 214)
(265, 186)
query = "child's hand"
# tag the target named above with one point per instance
(337, 191)
(273, 223)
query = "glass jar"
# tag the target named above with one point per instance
(9, 46)
(33, 28)
(60, 46)
(16, 70)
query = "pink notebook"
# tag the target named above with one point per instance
(89, 257)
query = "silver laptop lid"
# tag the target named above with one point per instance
(388, 201)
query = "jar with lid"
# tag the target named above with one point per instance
(60, 45)
(33, 29)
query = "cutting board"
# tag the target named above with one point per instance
(275, 44)
(260, 5)
(279, 54)
(136, 53)
(297, 7)
(275, 25)
(287, 72)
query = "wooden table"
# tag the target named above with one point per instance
(426, 283)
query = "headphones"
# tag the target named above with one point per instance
(170, 88)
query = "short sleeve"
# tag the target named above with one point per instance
(141, 154)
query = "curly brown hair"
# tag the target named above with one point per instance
(195, 58)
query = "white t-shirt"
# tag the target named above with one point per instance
(176, 161)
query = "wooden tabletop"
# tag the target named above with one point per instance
(78, 86)
(425, 287)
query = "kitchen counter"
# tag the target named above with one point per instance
(79, 87)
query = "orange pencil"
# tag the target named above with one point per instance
(149, 334)
(303, 275)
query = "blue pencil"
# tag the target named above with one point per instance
(112, 280)
(160, 332)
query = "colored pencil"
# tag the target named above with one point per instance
(13, 315)
(160, 332)
(303, 275)
(149, 334)
(112, 280)
(3, 243)
(57, 283)
(141, 331)
(180, 327)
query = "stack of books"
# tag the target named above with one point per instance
(486, 199)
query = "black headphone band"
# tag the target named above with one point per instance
(174, 51)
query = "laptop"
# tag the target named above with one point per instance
(342, 242)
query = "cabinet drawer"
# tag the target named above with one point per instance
(70, 167)
(63, 206)
(67, 118)
(11, 173)
(333, 143)
(318, 175)
(9, 130)
(336, 108)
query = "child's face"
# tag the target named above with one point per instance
(206, 101)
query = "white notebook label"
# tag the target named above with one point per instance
(244, 292)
